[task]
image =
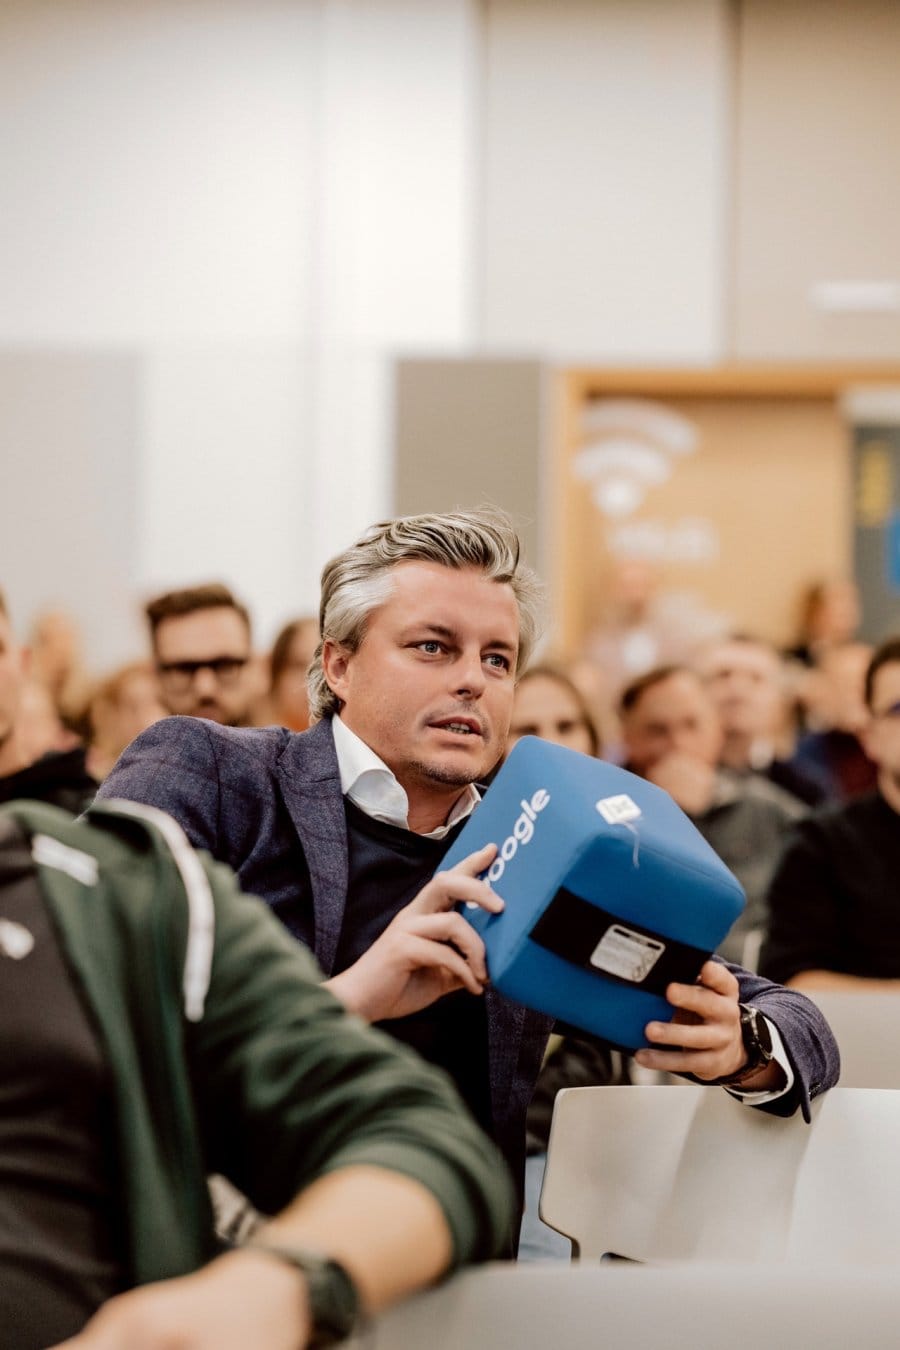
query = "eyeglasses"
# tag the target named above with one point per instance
(178, 676)
(892, 710)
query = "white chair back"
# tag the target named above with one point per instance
(674, 1173)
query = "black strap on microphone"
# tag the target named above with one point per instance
(615, 948)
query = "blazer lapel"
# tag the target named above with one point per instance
(310, 784)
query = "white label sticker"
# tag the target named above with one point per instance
(627, 954)
(618, 810)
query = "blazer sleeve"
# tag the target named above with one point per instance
(807, 1037)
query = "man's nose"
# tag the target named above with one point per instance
(205, 683)
(468, 675)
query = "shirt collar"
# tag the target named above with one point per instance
(372, 786)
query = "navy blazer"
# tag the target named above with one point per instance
(268, 802)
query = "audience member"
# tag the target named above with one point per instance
(745, 678)
(424, 623)
(27, 767)
(829, 617)
(201, 647)
(549, 705)
(645, 625)
(834, 917)
(121, 706)
(156, 1023)
(836, 714)
(287, 704)
(673, 738)
(57, 661)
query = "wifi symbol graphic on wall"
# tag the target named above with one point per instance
(633, 447)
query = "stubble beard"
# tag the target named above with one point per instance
(448, 775)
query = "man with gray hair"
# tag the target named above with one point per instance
(425, 623)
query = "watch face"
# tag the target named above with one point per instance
(334, 1303)
(756, 1034)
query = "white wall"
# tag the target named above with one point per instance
(261, 202)
(606, 178)
(256, 200)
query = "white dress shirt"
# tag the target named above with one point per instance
(372, 786)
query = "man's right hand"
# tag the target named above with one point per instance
(428, 949)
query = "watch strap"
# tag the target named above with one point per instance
(334, 1304)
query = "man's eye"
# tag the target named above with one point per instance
(430, 646)
(499, 662)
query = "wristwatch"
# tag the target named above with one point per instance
(757, 1043)
(334, 1305)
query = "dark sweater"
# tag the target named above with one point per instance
(834, 900)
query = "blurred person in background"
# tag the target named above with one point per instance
(830, 615)
(121, 706)
(201, 642)
(673, 738)
(287, 702)
(836, 711)
(834, 921)
(746, 681)
(57, 662)
(39, 759)
(645, 625)
(550, 706)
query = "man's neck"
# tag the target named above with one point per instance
(429, 810)
(736, 749)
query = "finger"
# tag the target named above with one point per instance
(451, 927)
(694, 1037)
(718, 977)
(703, 1001)
(447, 889)
(702, 1065)
(441, 960)
(476, 862)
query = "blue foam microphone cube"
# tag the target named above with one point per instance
(611, 892)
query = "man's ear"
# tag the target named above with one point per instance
(335, 667)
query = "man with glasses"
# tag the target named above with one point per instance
(201, 647)
(834, 917)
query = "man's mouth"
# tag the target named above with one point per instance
(459, 726)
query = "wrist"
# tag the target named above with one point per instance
(346, 988)
(756, 1040)
(329, 1308)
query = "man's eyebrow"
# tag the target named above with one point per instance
(449, 634)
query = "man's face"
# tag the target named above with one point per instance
(744, 682)
(431, 687)
(12, 680)
(881, 737)
(674, 716)
(202, 660)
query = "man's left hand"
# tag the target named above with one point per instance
(705, 1033)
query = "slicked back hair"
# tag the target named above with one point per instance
(358, 581)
